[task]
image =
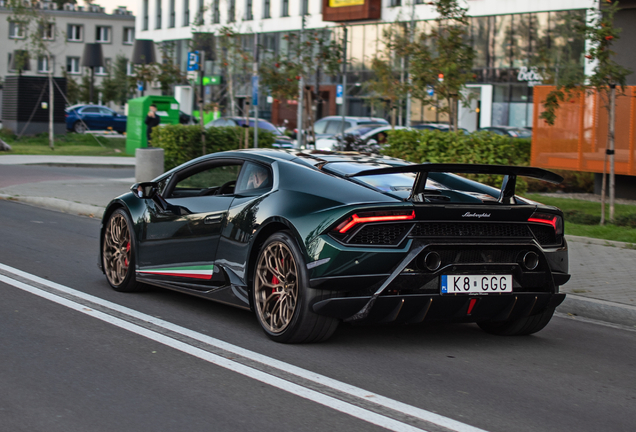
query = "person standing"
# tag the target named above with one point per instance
(152, 120)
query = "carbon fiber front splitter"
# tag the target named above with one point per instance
(416, 308)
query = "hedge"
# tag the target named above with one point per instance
(182, 143)
(434, 146)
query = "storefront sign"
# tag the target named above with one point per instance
(341, 3)
(531, 75)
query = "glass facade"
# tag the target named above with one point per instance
(512, 54)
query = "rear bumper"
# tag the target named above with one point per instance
(416, 308)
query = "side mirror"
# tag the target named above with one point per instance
(145, 190)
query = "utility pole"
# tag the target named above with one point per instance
(301, 90)
(201, 98)
(408, 66)
(344, 79)
(51, 93)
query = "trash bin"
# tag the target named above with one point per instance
(167, 109)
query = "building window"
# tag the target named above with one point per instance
(144, 25)
(248, 10)
(16, 30)
(73, 65)
(102, 34)
(231, 10)
(129, 35)
(103, 70)
(285, 8)
(43, 64)
(216, 13)
(396, 2)
(158, 19)
(172, 20)
(200, 17)
(47, 31)
(74, 33)
(267, 8)
(304, 7)
(130, 68)
(186, 13)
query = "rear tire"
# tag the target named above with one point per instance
(520, 326)
(79, 127)
(281, 295)
(118, 254)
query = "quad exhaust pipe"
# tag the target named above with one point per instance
(530, 260)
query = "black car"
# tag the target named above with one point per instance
(510, 131)
(309, 239)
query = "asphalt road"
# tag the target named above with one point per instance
(164, 361)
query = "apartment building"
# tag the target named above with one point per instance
(70, 28)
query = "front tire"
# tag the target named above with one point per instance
(520, 326)
(118, 254)
(281, 295)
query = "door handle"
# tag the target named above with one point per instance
(212, 219)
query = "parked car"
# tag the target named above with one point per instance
(309, 239)
(79, 118)
(512, 131)
(187, 118)
(436, 126)
(329, 126)
(281, 141)
(357, 138)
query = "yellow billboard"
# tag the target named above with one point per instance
(341, 3)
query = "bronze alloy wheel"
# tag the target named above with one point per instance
(276, 287)
(117, 249)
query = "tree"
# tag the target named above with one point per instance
(40, 34)
(118, 86)
(387, 84)
(236, 61)
(317, 53)
(168, 71)
(600, 33)
(442, 59)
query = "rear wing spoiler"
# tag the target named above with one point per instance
(509, 172)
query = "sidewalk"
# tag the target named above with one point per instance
(602, 287)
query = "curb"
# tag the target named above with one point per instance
(600, 242)
(599, 310)
(59, 205)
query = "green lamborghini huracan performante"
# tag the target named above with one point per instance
(308, 239)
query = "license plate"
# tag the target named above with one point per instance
(476, 284)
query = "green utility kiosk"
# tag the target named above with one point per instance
(167, 109)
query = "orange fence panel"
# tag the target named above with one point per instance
(578, 138)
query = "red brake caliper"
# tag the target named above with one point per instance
(275, 281)
(127, 252)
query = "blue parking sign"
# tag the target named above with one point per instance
(193, 61)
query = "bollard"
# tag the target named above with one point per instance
(148, 163)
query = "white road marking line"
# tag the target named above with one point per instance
(348, 389)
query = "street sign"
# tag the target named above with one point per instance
(192, 75)
(430, 90)
(193, 61)
(339, 94)
(140, 86)
(255, 90)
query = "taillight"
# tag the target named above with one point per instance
(377, 216)
(553, 220)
